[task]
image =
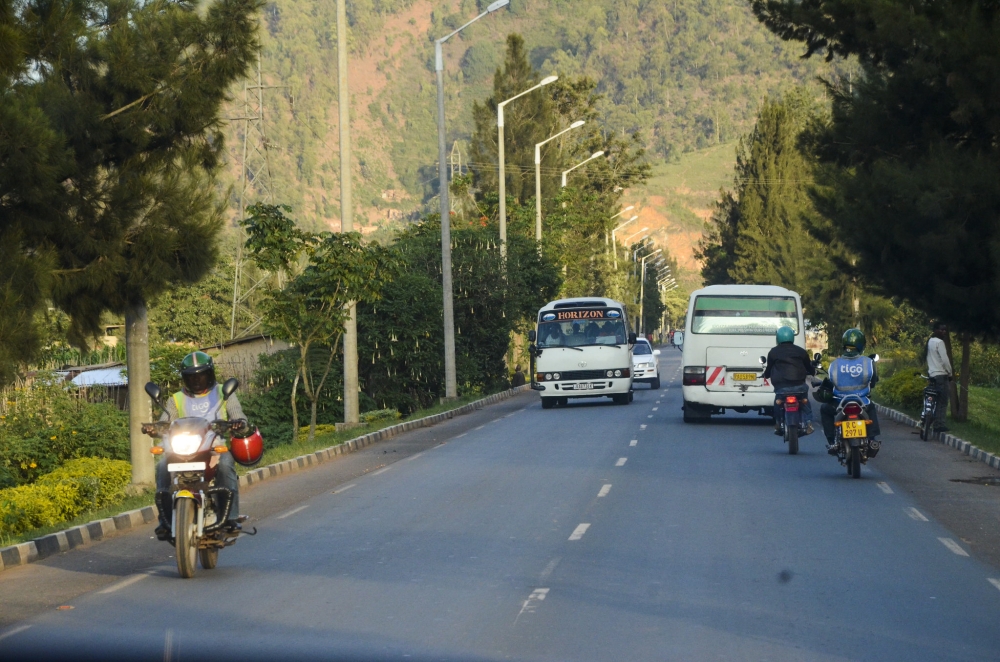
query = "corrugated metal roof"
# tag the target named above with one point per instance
(102, 377)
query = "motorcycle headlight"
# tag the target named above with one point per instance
(185, 443)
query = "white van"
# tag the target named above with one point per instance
(728, 329)
(582, 349)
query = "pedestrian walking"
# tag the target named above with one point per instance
(518, 379)
(940, 371)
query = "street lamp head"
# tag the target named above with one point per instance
(577, 124)
(633, 218)
(499, 4)
(629, 208)
(548, 80)
(597, 155)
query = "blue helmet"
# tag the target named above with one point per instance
(784, 334)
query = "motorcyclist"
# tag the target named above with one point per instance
(201, 396)
(788, 365)
(850, 374)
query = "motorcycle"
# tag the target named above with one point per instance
(929, 412)
(854, 445)
(788, 420)
(191, 448)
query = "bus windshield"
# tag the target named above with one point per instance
(744, 316)
(577, 328)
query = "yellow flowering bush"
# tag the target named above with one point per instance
(73, 489)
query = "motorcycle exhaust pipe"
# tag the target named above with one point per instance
(226, 496)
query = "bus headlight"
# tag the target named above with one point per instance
(611, 373)
(618, 373)
(548, 376)
(555, 375)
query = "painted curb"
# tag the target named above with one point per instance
(965, 447)
(78, 536)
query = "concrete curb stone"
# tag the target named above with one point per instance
(961, 445)
(78, 536)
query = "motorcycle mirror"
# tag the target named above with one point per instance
(153, 391)
(873, 357)
(531, 335)
(763, 360)
(229, 387)
(817, 356)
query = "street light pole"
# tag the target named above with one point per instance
(503, 167)
(614, 243)
(629, 208)
(538, 177)
(642, 289)
(593, 156)
(351, 384)
(450, 374)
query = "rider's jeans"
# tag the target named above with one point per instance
(943, 389)
(806, 405)
(829, 411)
(225, 476)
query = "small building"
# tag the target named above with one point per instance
(99, 383)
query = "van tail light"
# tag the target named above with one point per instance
(791, 403)
(852, 410)
(694, 375)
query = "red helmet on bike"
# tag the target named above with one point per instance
(247, 450)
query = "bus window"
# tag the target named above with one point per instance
(736, 315)
(581, 332)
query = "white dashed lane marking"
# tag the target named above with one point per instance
(480, 427)
(125, 582)
(621, 462)
(995, 582)
(413, 457)
(633, 442)
(529, 605)
(655, 408)
(604, 490)
(953, 546)
(380, 471)
(643, 426)
(550, 568)
(884, 487)
(649, 416)
(344, 488)
(292, 512)
(579, 531)
(916, 514)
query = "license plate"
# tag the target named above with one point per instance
(186, 466)
(744, 376)
(584, 386)
(854, 429)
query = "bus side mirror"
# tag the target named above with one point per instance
(531, 336)
(632, 338)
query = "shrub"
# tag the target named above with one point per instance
(80, 485)
(903, 389)
(380, 415)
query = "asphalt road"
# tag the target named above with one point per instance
(591, 532)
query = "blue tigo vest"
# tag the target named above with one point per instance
(852, 376)
(210, 406)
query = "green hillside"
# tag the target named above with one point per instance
(687, 74)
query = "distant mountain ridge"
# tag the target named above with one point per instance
(687, 74)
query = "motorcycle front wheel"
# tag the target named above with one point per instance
(186, 545)
(792, 432)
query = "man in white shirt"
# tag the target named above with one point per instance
(939, 369)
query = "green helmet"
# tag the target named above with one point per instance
(784, 334)
(853, 342)
(197, 373)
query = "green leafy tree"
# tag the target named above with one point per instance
(911, 153)
(309, 311)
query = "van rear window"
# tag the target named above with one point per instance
(743, 316)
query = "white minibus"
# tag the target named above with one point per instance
(728, 329)
(582, 349)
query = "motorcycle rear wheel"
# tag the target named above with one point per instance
(792, 432)
(186, 545)
(855, 463)
(925, 428)
(209, 557)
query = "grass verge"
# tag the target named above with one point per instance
(983, 426)
(272, 456)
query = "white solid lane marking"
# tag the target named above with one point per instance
(413, 457)
(461, 435)
(550, 568)
(380, 471)
(604, 490)
(529, 605)
(655, 408)
(621, 462)
(125, 582)
(480, 427)
(916, 514)
(579, 531)
(995, 582)
(344, 488)
(496, 419)
(292, 512)
(953, 546)
(633, 442)
(22, 628)
(884, 487)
